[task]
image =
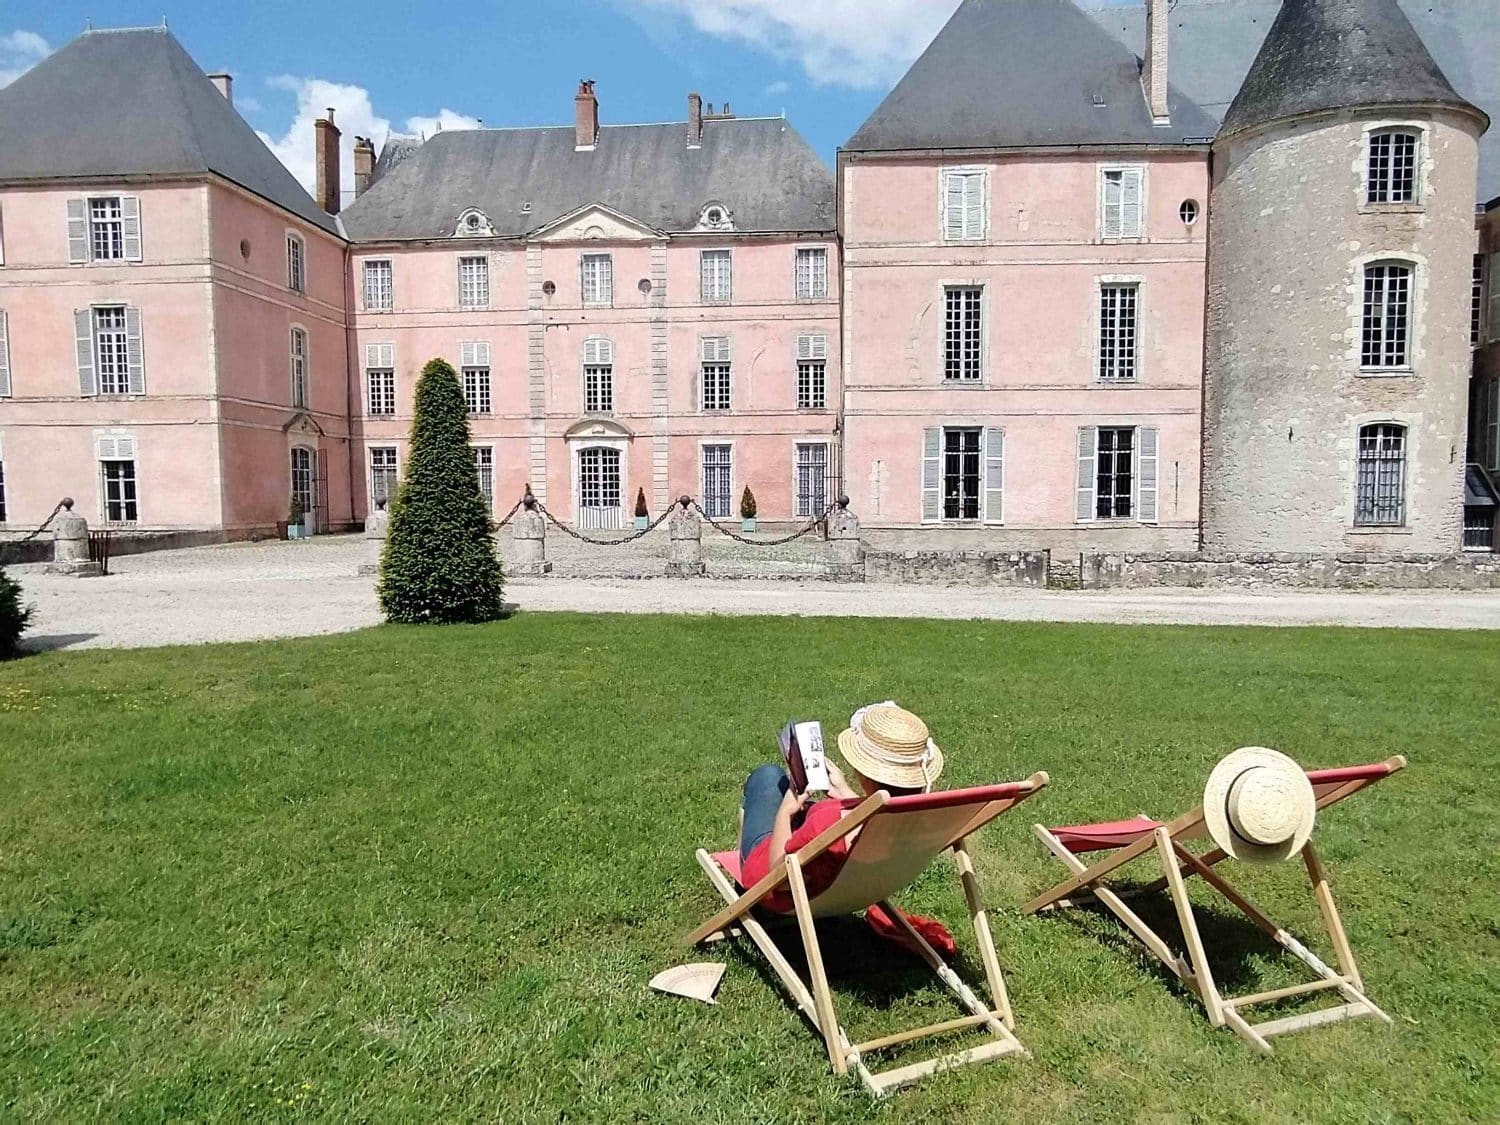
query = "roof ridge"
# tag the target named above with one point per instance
(160, 28)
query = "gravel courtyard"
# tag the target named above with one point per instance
(242, 592)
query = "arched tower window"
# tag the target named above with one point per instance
(1385, 329)
(1391, 165)
(1381, 476)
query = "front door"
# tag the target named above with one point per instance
(304, 487)
(599, 488)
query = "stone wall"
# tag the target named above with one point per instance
(958, 568)
(1293, 571)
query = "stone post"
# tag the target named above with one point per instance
(377, 526)
(846, 551)
(529, 538)
(70, 545)
(685, 556)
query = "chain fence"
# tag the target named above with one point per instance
(639, 533)
(812, 526)
(30, 535)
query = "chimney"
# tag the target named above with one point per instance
(326, 157)
(1154, 73)
(695, 120)
(364, 164)
(224, 83)
(586, 115)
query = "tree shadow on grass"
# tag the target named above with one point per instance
(33, 646)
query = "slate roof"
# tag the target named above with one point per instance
(1021, 74)
(133, 102)
(1328, 54)
(759, 168)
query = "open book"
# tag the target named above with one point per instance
(802, 748)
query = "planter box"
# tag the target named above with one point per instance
(747, 524)
(642, 522)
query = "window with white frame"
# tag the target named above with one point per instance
(117, 479)
(716, 277)
(380, 291)
(1476, 302)
(598, 376)
(1114, 473)
(296, 263)
(598, 279)
(383, 473)
(963, 204)
(474, 282)
(718, 473)
(963, 474)
(1121, 202)
(716, 373)
(812, 273)
(812, 372)
(104, 228)
(1380, 499)
(4, 354)
(299, 367)
(963, 333)
(305, 484)
(811, 470)
(484, 465)
(1117, 331)
(1386, 322)
(380, 379)
(475, 364)
(1117, 473)
(963, 460)
(112, 349)
(1391, 165)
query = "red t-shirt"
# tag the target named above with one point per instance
(818, 874)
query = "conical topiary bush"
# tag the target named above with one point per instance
(13, 615)
(439, 563)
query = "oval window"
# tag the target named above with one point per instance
(1188, 212)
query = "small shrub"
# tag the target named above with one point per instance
(13, 615)
(439, 563)
(640, 503)
(747, 504)
(295, 513)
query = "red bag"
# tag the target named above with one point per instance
(933, 932)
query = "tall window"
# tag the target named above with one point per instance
(103, 229)
(718, 468)
(382, 473)
(299, 367)
(474, 282)
(296, 264)
(963, 333)
(1114, 473)
(812, 274)
(1476, 303)
(1391, 166)
(379, 286)
(1387, 317)
(963, 205)
(599, 487)
(716, 374)
(598, 279)
(120, 500)
(598, 377)
(380, 378)
(812, 479)
(962, 472)
(1121, 202)
(1381, 476)
(1117, 332)
(475, 362)
(4, 354)
(304, 484)
(1487, 424)
(716, 277)
(484, 465)
(2, 493)
(106, 228)
(812, 372)
(111, 350)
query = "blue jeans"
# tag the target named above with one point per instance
(763, 792)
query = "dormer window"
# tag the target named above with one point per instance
(715, 216)
(473, 223)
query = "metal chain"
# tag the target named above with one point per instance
(738, 538)
(641, 534)
(32, 535)
(510, 515)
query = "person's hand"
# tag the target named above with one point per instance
(835, 775)
(792, 801)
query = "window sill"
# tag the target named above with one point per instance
(1386, 372)
(812, 300)
(1379, 529)
(812, 410)
(1392, 209)
(1117, 382)
(965, 384)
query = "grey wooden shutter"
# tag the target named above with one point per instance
(932, 474)
(1130, 203)
(78, 231)
(130, 224)
(134, 354)
(83, 336)
(1087, 440)
(4, 356)
(1146, 474)
(994, 475)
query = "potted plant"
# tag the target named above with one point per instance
(294, 517)
(747, 510)
(642, 513)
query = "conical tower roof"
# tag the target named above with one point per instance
(1323, 55)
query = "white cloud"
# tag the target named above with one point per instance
(19, 52)
(837, 42)
(446, 119)
(775, 89)
(249, 105)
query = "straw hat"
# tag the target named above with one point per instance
(892, 746)
(1259, 806)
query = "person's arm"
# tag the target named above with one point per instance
(837, 786)
(781, 828)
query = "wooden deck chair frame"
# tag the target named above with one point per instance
(814, 998)
(1087, 883)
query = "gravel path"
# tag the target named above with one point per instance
(247, 592)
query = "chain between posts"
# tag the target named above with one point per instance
(29, 536)
(510, 515)
(640, 534)
(785, 539)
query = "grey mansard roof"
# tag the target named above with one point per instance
(760, 169)
(1024, 74)
(133, 102)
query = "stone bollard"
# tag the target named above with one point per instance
(377, 526)
(846, 551)
(685, 556)
(529, 537)
(70, 545)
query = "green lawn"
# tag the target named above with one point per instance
(423, 872)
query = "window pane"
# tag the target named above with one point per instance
(1114, 471)
(717, 469)
(1392, 167)
(715, 276)
(963, 333)
(477, 389)
(599, 388)
(812, 385)
(598, 279)
(812, 274)
(716, 386)
(961, 473)
(107, 229)
(812, 480)
(1386, 316)
(111, 350)
(119, 491)
(1117, 328)
(378, 294)
(382, 474)
(474, 282)
(1381, 472)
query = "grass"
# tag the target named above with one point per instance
(428, 873)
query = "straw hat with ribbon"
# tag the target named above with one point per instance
(1259, 806)
(891, 746)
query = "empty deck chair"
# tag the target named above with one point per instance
(1278, 828)
(898, 838)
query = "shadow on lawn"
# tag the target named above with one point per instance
(31, 646)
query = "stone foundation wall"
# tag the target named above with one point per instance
(958, 568)
(1292, 571)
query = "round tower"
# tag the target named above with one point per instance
(1341, 246)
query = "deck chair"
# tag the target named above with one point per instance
(1131, 839)
(899, 837)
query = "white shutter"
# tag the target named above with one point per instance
(1146, 474)
(598, 351)
(1130, 203)
(953, 206)
(135, 359)
(932, 474)
(716, 349)
(380, 355)
(475, 353)
(115, 447)
(78, 231)
(1088, 438)
(994, 475)
(130, 224)
(1110, 225)
(974, 206)
(4, 356)
(83, 337)
(812, 348)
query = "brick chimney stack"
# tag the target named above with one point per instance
(326, 157)
(1154, 72)
(695, 120)
(364, 164)
(586, 116)
(224, 83)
